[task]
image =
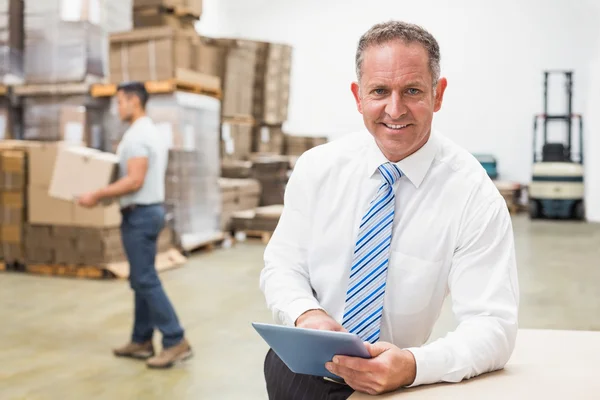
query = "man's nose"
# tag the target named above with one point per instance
(395, 107)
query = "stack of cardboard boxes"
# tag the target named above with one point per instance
(13, 182)
(262, 219)
(268, 139)
(164, 45)
(296, 145)
(256, 87)
(11, 41)
(272, 173)
(236, 141)
(70, 234)
(237, 195)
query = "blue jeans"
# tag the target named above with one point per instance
(139, 230)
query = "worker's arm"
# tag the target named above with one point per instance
(485, 296)
(136, 151)
(132, 182)
(285, 278)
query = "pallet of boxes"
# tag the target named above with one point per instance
(256, 81)
(62, 238)
(180, 73)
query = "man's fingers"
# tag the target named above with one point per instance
(353, 363)
(344, 372)
(378, 348)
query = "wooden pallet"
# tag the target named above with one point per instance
(52, 89)
(208, 244)
(264, 236)
(158, 87)
(69, 271)
(238, 120)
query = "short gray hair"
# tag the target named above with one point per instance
(408, 33)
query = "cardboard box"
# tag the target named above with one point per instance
(73, 124)
(11, 216)
(42, 157)
(156, 16)
(81, 170)
(38, 255)
(193, 7)
(15, 199)
(268, 139)
(236, 141)
(160, 53)
(13, 252)
(6, 125)
(40, 235)
(11, 233)
(13, 165)
(46, 210)
(100, 216)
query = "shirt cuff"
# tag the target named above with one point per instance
(426, 372)
(299, 307)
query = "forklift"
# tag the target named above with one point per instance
(557, 189)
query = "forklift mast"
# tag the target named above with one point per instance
(558, 152)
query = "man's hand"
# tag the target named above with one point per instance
(389, 369)
(88, 200)
(318, 319)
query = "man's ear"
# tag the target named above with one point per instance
(356, 92)
(439, 94)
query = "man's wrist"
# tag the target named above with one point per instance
(411, 368)
(307, 314)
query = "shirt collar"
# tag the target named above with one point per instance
(415, 166)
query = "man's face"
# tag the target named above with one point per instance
(125, 105)
(396, 97)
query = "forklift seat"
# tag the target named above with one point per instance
(555, 152)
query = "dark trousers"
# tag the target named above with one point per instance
(283, 384)
(139, 230)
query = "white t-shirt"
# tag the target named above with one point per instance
(143, 139)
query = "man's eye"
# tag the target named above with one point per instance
(413, 91)
(379, 91)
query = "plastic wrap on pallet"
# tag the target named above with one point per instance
(64, 41)
(117, 15)
(11, 41)
(74, 118)
(190, 124)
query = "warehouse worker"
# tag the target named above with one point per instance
(143, 158)
(378, 227)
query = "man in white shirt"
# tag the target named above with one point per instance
(380, 226)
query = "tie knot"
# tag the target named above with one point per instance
(390, 172)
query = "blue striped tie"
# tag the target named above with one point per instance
(366, 289)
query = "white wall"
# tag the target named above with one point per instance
(493, 54)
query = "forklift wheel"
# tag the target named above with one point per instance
(534, 209)
(579, 211)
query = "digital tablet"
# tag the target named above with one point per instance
(305, 351)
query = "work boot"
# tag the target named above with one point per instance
(171, 355)
(139, 351)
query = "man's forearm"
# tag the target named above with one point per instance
(123, 186)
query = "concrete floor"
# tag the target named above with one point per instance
(56, 334)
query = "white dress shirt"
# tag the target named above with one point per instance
(452, 235)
